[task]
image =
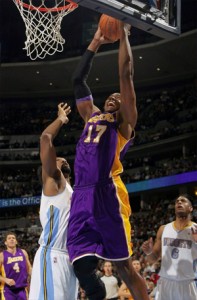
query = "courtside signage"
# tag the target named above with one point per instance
(24, 201)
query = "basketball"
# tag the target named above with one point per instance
(110, 27)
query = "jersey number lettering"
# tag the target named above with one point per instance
(100, 130)
(175, 253)
(16, 268)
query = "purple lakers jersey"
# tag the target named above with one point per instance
(100, 199)
(14, 267)
(98, 149)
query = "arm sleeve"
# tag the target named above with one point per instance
(81, 89)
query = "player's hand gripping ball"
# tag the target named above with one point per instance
(110, 27)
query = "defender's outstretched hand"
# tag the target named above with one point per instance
(63, 111)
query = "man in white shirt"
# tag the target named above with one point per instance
(176, 244)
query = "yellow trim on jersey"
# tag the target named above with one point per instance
(3, 274)
(186, 226)
(121, 191)
(45, 251)
(125, 209)
(2, 295)
(44, 275)
(117, 167)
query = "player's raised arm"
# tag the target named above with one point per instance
(82, 92)
(47, 149)
(128, 110)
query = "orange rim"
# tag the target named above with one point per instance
(70, 6)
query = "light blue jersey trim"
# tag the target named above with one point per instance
(50, 234)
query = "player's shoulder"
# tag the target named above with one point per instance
(161, 229)
(193, 226)
(168, 224)
(23, 250)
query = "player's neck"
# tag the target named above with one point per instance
(11, 250)
(182, 222)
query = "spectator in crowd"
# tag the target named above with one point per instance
(151, 287)
(52, 275)
(176, 244)
(15, 270)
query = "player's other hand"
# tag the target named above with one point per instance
(147, 246)
(125, 28)
(194, 232)
(10, 281)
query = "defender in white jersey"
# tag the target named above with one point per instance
(52, 275)
(176, 245)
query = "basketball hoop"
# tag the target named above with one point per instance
(42, 20)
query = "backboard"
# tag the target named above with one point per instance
(163, 21)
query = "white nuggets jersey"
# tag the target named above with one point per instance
(179, 254)
(54, 214)
(53, 277)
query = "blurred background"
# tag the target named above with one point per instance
(160, 165)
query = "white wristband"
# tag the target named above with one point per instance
(147, 254)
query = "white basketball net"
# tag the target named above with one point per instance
(43, 25)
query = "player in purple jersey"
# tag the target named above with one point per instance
(15, 269)
(99, 224)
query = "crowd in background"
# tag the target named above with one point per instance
(19, 145)
(161, 114)
(150, 213)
